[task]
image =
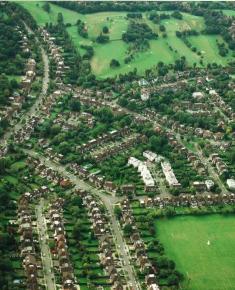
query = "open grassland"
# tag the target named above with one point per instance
(163, 49)
(185, 240)
(42, 17)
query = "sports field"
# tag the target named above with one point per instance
(163, 49)
(203, 248)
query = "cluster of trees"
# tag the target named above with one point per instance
(134, 15)
(89, 51)
(156, 17)
(11, 56)
(82, 30)
(186, 33)
(223, 50)
(6, 88)
(138, 34)
(114, 63)
(102, 38)
(177, 15)
(46, 7)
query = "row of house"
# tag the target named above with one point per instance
(99, 181)
(119, 147)
(46, 172)
(27, 241)
(101, 230)
(218, 163)
(139, 247)
(29, 77)
(61, 248)
(188, 200)
(56, 55)
(104, 138)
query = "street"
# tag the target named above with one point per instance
(45, 251)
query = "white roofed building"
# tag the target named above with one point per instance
(169, 174)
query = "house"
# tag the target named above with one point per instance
(150, 279)
(128, 188)
(209, 184)
(198, 95)
(231, 184)
(110, 186)
(153, 287)
(151, 156)
(199, 186)
(144, 94)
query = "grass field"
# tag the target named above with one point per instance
(163, 49)
(209, 267)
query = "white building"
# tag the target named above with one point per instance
(151, 156)
(144, 95)
(197, 95)
(143, 170)
(209, 184)
(169, 174)
(231, 184)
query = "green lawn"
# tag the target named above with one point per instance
(42, 17)
(208, 47)
(185, 239)
(163, 49)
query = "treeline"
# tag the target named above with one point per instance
(92, 7)
(20, 14)
(11, 54)
(82, 31)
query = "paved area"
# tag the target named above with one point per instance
(45, 251)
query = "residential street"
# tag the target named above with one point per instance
(17, 125)
(211, 170)
(108, 201)
(45, 251)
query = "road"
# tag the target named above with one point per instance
(211, 170)
(34, 108)
(45, 251)
(108, 202)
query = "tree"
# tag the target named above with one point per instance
(118, 212)
(128, 229)
(75, 105)
(46, 6)
(60, 18)
(114, 63)
(105, 29)
(162, 28)
(105, 115)
(102, 38)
